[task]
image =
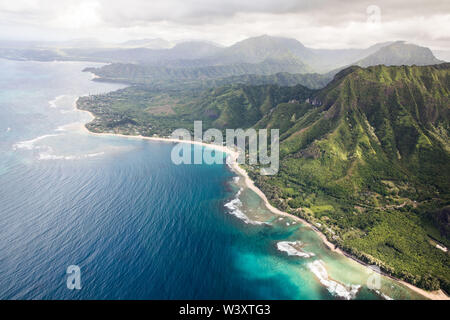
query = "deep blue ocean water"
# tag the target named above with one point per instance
(138, 226)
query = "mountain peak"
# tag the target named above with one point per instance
(265, 40)
(400, 53)
(258, 49)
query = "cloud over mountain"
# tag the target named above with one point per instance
(320, 23)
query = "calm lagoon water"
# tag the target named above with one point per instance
(138, 226)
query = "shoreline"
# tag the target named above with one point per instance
(435, 295)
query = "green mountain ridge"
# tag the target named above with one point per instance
(149, 75)
(369, 164)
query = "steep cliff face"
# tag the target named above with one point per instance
(368, 159)
(377, 122)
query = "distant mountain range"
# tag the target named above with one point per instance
(266, 49)
(261, 55)
(252, 61)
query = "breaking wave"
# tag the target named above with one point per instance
(54, 103)
(49, 156)
(65, 103)
(293, 248)
(234, 207)
(30, 144)
(384, 296)
(335, 288)
(46, 152)
(70, 126)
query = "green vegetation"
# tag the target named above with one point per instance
(371, 168)
(366, 159)
(164, 78)
(139, 110)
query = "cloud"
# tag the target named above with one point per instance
(318, 23)
(196, 12)
(77, 16)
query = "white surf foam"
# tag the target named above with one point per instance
(234, 207)
(384, 296)
(46, 152)
(54, 103)
(30, 144)
(49, 156)
(335, 288)
(290, 248)
(65, 103)
(70, 126)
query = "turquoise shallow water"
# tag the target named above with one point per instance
(138, 226)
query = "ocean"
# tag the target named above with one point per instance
(137, 225)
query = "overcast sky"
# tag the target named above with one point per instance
(316, 23)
